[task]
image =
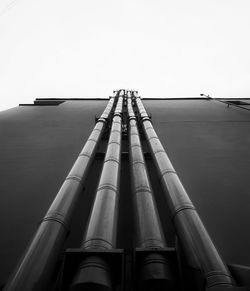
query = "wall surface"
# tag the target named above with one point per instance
(208, 143)
(209, 146)
(39, 145)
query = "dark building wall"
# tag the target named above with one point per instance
(208, 143)
(39, 145)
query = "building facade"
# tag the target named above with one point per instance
(145, 235)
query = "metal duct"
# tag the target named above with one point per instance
(195, 240)
(101, 231)
(35, 270)
(155, 270)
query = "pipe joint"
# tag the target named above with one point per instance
(93, 274)
(119, 114)
(131, 117)
(114, 142)
(182, 208)
(136, 145)
(143, 189)
(96, 243)
(75, 178)
(167, 171)
(156, 273)
(102, 119)
(145, 118)
(218, 279)
(160, 151)
(107, 186)
(152, 243)
(112, 159)
(85, 154)
(58, 218)
(134, 162)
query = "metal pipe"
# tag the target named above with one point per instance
(155, 269)
(101, 231)
(35, 270)
(194, 238)
(149, 231)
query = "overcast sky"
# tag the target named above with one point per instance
(77, 48)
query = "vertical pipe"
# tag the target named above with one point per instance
(36, 268)
(101, 231)
(195, 240)
(149, 232)
(155, 270)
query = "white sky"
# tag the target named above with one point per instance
(163, 48)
